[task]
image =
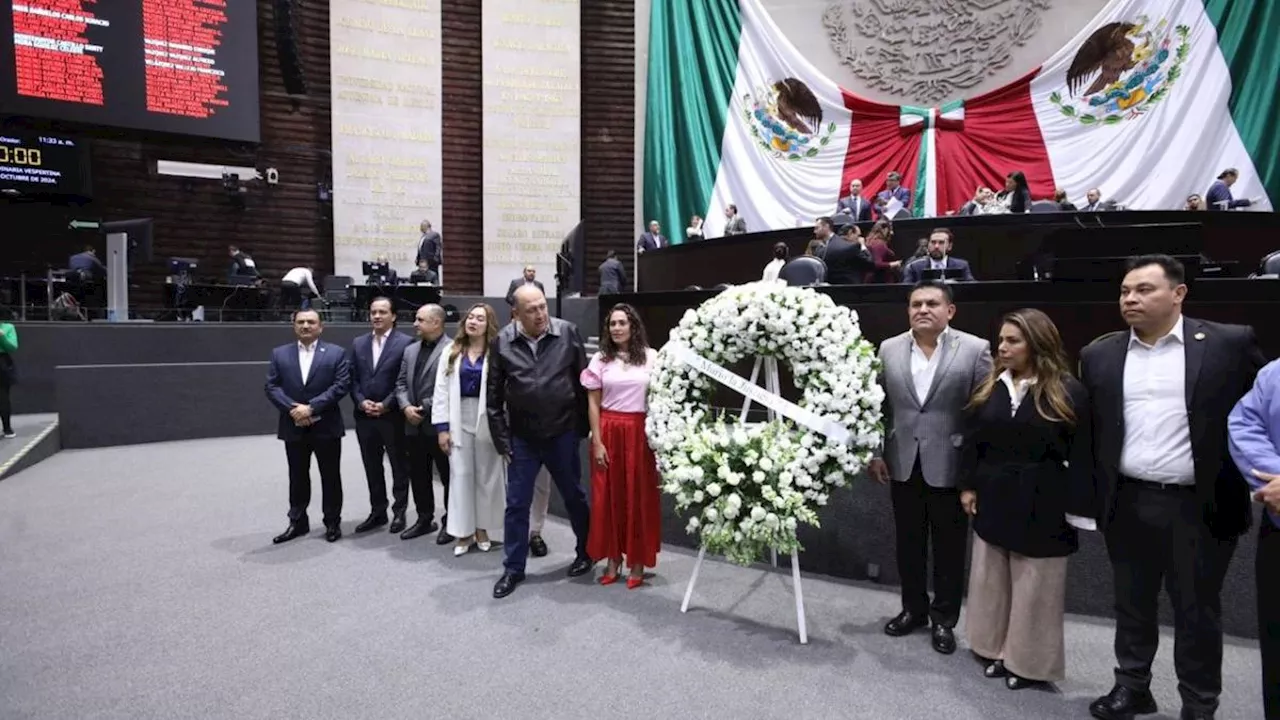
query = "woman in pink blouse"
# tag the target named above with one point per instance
(626, 511)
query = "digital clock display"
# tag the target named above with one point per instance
(42, 164)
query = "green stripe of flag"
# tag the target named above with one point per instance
(1248, 35)
(693, 61)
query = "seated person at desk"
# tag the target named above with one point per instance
(939, 258)
(86, 264)
(291, 288)
(847, 257)
(1219, 196)
(388, 278)
(424, 275)
(242, 265)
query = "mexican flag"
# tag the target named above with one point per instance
(1154, 98)
(1149, 102)
(737, 115)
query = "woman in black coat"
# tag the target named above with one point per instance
(1025, 470)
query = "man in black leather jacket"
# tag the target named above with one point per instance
(537, 411)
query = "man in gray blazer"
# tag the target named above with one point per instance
(929, 373)
(734, 223)
(414, 388)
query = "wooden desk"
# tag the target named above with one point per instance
(994, 245)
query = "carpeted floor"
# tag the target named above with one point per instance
(141, 583)
(28, 428)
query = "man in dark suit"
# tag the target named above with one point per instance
(305, 381)
(938, 258)
(375, 367)
(855, 206)
(414, 389)
(893, 190)
(1093, 201)
(424, 274)
(847, 257)
(1172, 503)
(430, 248)
(530, 277)
(651, 239)
(613, 277)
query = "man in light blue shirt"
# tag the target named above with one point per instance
(1253, 432)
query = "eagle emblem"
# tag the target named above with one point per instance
(1123, 70)
(785, 120)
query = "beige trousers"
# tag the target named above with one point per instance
(1015, 611)
(541, 501)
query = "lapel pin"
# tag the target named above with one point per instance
(1199, 336)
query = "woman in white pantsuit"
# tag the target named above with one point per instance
(477, 483)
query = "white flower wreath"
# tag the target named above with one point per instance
(749, 486)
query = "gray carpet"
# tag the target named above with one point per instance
(28, 428)
(141, 583)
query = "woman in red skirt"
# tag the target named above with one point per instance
(626, 512)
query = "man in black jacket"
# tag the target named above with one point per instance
(537, 414)
(1172, 502)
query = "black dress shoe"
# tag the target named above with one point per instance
(444, 538)
(538, 546)
(1013, 682)
(905, 623)
(375, 520)
(1189, 714)
(944, 639)
(1122, 704)
(507, 584)
(420, 528)
(295, 530)
(581, 566)
(995, 670)
(397, 523)
(333, 532)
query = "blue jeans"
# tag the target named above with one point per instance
(560, 456)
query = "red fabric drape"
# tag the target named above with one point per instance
(1000, 135)
(877, 146)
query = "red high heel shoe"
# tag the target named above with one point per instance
(607, 579)
(634, 582)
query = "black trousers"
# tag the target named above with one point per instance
(1267, 570)
(328, 452)
(6, 407)
(1159, 537)
(924, 516)
(425, 454)
(384, 437)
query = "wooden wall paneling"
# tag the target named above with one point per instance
(461, 144)
(608, 132)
